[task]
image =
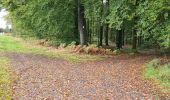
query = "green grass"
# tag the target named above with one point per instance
(5, 80)
(160, 74)
(16, 45)
(8, 44)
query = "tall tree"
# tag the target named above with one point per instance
(46, 19)
(101, 25)
(82, 24)
(134, 44)
(106, 23)
(154, 22)
(119, 37)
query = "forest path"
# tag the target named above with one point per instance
(43, 78)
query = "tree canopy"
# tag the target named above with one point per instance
(135, 22)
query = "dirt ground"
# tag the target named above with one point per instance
(116, 78)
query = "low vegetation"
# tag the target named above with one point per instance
(159, 74)
(16, 45)
(5, 80)
(9, 45)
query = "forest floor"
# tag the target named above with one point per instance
(40, 77)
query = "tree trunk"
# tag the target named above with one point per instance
(87, 29)
(82, 24)
(119, 39)
(107, 25)
(107, 35)
(101, 26)
(123, 37)
(134, 44)
(101, 35)
(89, 32)
(76, 31)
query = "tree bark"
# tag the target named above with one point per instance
(123, 37)
(88, 29)
(101, 26)
(76, 31)
(134, 44)
(101, 35)
(119, 39)
(82, 24)
(107, 25)
(107, 35)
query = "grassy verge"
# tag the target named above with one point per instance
(5, 80)
(159, 74)
(8, 44)
(17, 45)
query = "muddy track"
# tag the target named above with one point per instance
(117, 78)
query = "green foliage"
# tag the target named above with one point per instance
(122, 13)
(93, 9)
(154, 21)
(159, 73)
(44, 19)
(56, 20)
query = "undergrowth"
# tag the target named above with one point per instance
(9, 44)
(159, 73)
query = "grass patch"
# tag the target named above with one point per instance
(8, 44)
(5, 80)
(160, 74)
(17, 45)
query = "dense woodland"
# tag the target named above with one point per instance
(139, 23)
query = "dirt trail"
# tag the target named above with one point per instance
(117, 78)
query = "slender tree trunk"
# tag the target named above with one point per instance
(134, 44)
(87, 30)
(101, 26)
(101, 35)
(90, 32)
(82, 24)
(107, 25)
(119, 39)
(107, 35)
(93, 29)
(76, 31)
(123, 37)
